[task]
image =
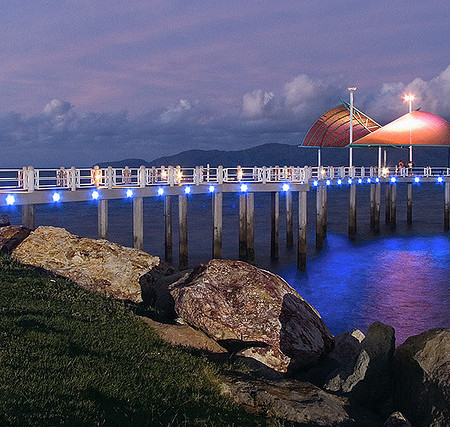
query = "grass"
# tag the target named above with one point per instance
(72, 357)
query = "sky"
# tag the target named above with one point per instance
(100, 80)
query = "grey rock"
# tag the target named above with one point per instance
(4, 220)
(252, 312)
(397, 419)
(422, 378)
(11, 236)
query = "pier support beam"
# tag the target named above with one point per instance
(289, 220)
(320, 216)
(387, 206)
(352, 212)
(447, 206)
(393, 205)
(28, 216)
(377, 208)
(138, 222)
(409, 203)
(217, 225)
(301, 236)
(325, 209)
(103, 219)
(242, 227)
(183, 232)
(275, 220)
(168, 241)
(372, 206)
(250, 227)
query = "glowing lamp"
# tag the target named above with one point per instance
(129, 192)
(285, 187)
(56, 197)
(369, 180)
(244, 187)
(328, 182)
(211, 188)
(417, 179)
(315, 183)
(187, 190)
(393, 179)
(349, 181)
(10, 199)
(160, 191)
(339, 181)
(377, 179)
(95, 195)
(440, 179)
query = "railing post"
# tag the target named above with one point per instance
(109, 177)
(220, 174)
(73, 178)
(141, 177)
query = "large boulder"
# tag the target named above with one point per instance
(296, 402)
(397, 419)
(254, 313)
(422, 378)
(11, 236)
(4, 220)
(97, 265)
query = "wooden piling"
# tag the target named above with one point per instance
(250, 227)
(387, 205)
(138, 223)
(103, 219)
(28, 216)
(325, 209)
(301, 236)
(377, 208)
(372, 205)
(168, 240)
(275, 220)
(242, 227)
(447, 206)
(217, 225)
(409, 203)
(183, 232)
(289, 220)
(319, 217)
(352, 212)
(393, 205)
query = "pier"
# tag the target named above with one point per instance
(28, 187)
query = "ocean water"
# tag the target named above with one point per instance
(400, 276)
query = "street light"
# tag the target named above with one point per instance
(351, 90)
(410, 98)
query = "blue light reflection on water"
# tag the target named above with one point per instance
(402, 281)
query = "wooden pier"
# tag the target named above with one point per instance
(29, 186)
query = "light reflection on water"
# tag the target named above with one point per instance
(401, 281)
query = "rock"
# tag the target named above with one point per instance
(422, 378)
(295, 402)
(254, 313)
(11, 236)
(364, 369)
(4, 220)
(97, 265)
(397, 420)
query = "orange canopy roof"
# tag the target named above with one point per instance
(415, 128)
(332, 129)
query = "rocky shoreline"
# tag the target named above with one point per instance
(295, 369)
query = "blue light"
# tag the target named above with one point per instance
(10, 199)
(359, 181)
(339, 181)
(440, 179)
(56, 197)
(129, 192)
(315, 183)
(160, 191)
(349, 181)
(377, 179)
(285, 187)
(95, 195)
(393, 179)
(417, 179)
(369, 180)
(244, 187)
(187, 190)
(211, 188)
(328, 182)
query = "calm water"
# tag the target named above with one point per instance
(399, 277)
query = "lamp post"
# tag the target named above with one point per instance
(351, 90)
(410, 98)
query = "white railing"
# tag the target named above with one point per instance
(30, 179)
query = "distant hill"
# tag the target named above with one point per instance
(288, 155)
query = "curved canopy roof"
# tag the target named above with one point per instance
(415, 128)
(333, 128)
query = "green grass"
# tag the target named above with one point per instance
(72, 357)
